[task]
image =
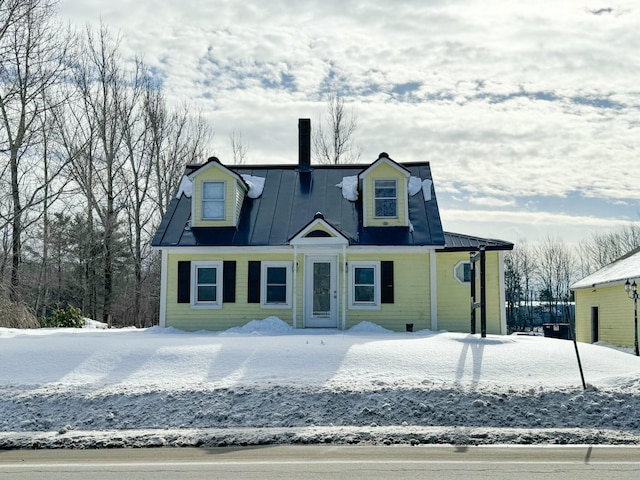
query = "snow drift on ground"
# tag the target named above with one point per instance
(267, 383)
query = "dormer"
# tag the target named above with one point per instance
(217, 197)
(385, 199)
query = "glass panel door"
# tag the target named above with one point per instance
(321, 289)
(321, 292)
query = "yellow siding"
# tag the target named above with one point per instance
(412, 294)
(182, 316)
(454, 298)
(412, 302)
(239, 198)
(234, 195)
(384, 171)
(615, 311)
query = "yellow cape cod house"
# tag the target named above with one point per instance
(321, 247)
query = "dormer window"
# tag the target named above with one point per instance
(386, 198)
(213, 207)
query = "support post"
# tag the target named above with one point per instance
(482, 304)
(635, 321)
(472, 272)
(483, 293)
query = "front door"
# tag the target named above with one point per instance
(321, 292)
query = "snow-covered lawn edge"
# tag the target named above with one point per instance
(266, 383)
(344, 435)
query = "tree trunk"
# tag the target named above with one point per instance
(16, 243)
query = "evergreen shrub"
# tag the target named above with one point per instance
(70, 317)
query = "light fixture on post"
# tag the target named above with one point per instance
(632, 292)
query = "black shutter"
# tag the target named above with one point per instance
(253, 284)
(386, 274)
(184, 282)
(229, 281)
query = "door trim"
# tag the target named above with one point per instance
(308, 320)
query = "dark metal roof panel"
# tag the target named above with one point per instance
(289, 202)
(457, 242)
(174, 222)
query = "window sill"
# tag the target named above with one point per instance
(283, 306)
(206, 306)
(357, 306)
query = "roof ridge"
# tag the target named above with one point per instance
(627, 255)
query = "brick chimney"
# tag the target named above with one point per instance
(304, 145)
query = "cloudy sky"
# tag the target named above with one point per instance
(529, 112)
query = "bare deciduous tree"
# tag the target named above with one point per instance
(600, 249)
(239, 147)
(334, 142)
(520, 290)
(33, 51)
(180, 138)
(556, 271)
(107, 94)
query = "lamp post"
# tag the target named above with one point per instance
(632, 292)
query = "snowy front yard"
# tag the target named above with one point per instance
(265, 383)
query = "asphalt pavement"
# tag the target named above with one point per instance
(320, 462)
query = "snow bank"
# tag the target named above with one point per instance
(349, 186)
(368, 327)
(268, 326)
(268, 383)
(255, 184)
(89, 323)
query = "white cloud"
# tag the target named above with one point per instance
(492, 202)
(510, 99)
(522, 225)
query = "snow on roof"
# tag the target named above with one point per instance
(186, 187)
(349, 186)
(255, 184)
(415, 185)
(621, 270)
(426, 189)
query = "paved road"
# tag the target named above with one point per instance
(318, 462)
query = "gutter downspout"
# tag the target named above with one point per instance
(344, 287)
(163, 289)
(295, 287)
(433, 288)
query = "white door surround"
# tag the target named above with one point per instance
(321, 291)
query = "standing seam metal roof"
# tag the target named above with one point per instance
(289, 201)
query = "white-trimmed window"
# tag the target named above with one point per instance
(206, 284)
(213, 207)
(462, 271)
(276, 285)
(364, 282)
(385, 197)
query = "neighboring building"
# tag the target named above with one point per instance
(319, 246)
(604, 312)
